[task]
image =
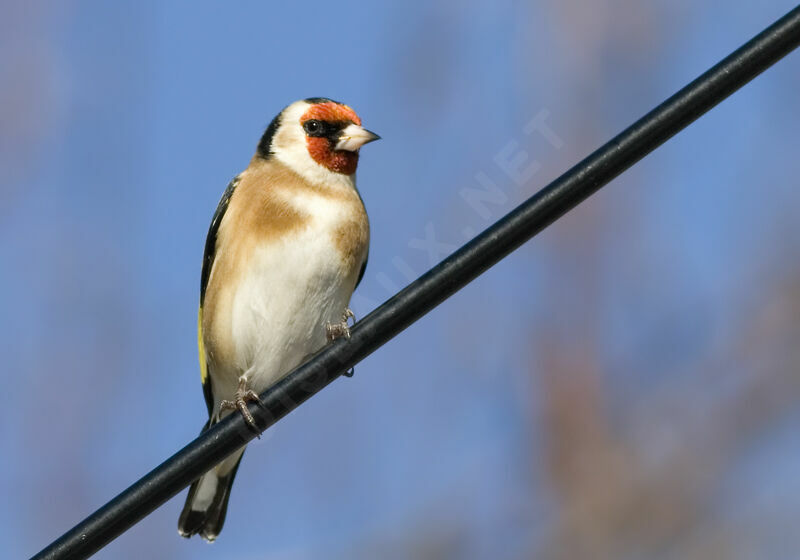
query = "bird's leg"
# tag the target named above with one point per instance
(243, 396)
(342, 328)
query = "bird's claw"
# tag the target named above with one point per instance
(342, 328)
(243, 396)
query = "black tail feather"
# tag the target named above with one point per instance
(207, 522)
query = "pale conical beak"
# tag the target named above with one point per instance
(353, 137)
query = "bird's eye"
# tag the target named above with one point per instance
(313, 127)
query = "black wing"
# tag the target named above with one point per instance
(208, 262)
(211, 238)
(362, 271)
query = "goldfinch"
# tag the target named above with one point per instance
(286, 248)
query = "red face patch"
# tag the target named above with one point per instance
(338, 161)
(330, 112)
(320, 148)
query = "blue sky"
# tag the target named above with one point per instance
(123, 124)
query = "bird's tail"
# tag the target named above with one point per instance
(207, 502)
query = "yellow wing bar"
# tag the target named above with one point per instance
(201, 347)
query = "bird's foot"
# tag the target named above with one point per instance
(342, 328)
(243, 396)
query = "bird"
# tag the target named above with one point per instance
(286, 248)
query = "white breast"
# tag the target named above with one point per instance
(291, 288)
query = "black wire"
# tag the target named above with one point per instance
(432, 288)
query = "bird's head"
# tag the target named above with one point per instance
(316, 137)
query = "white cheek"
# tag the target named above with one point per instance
(299, 160)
